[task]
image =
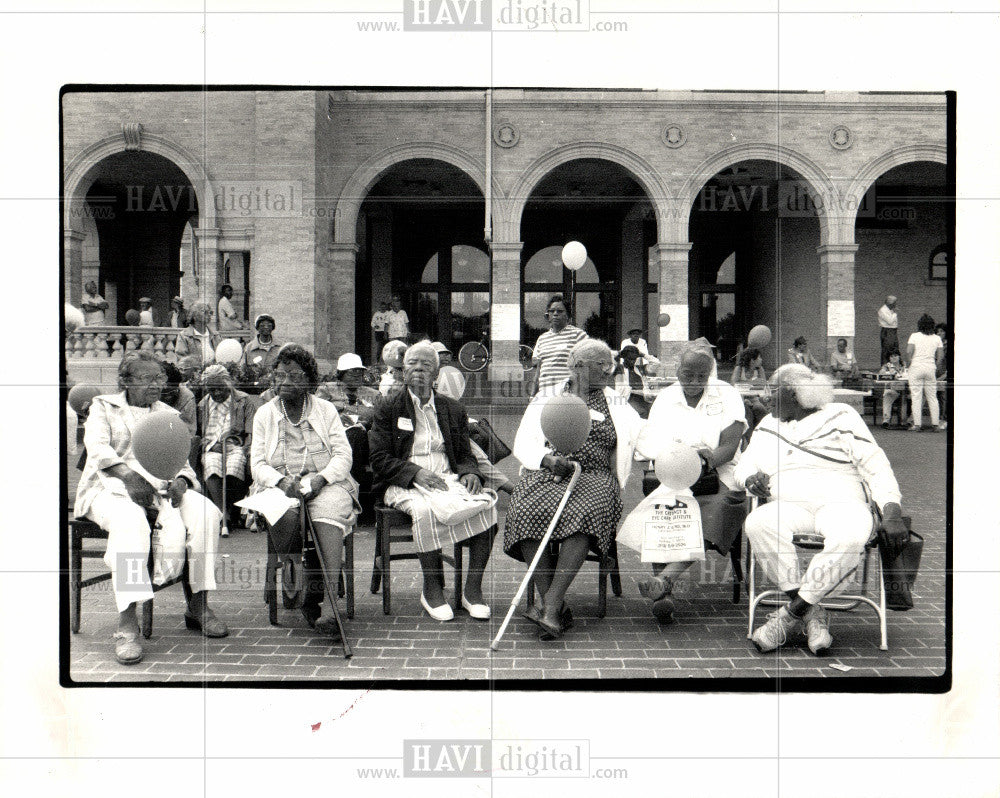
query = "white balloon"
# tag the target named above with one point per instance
(74, 318)
(228, 351)
(574, 255)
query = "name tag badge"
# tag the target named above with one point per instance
(404, 423)
(713, 409)
(597, 415)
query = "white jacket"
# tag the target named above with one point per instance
(830, 455)
(529, 443)
(323, 417)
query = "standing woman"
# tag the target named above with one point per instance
(590, 518)
(115, 492)
(299, 442)
(199, 338)
(225, 418)
(552, 349)
(924, 354)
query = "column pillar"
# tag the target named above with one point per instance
(837, 282)
(336, 329)
(209, 266)
(672, 294)
(505, 311)
(73, 254)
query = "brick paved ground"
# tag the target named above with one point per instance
(708, 638)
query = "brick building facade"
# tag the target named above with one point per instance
(721, 209)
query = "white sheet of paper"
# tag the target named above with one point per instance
(271, 503)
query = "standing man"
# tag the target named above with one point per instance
(380, 322)
(93, 305)
(228, 320)
(178, 316)
(146, 312)
(888, 322)
(398, 323)
(635, 339)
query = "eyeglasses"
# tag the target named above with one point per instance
(294, 379)
(143, 382)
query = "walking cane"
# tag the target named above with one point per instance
(538, 555)
(307, 523)
(225, 507)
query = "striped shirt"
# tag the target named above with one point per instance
(552, 352)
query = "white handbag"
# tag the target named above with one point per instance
(455, 505)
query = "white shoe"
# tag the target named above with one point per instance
(225, 532)
(818, 629)
(442, 613)
(478, 611)
(775, 632)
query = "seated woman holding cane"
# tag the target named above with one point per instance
(115, 492)
(225, 414)
(299, 446)
(708, 415)
(419, 447)
(590, 518)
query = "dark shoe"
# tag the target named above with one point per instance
(128, 649)
(654, 587)
(533, 614)
(566, 618)
(663, 609)
(324, 625)
(207, 623)
(549, 631)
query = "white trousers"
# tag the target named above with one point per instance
(846, 527)
(193, 527)
(923, 384)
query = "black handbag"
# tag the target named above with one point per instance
(482, 433)
(900, 574)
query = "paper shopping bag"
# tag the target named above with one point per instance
(671, 532)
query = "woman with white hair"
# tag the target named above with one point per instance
(817, 465)
(199, 337)
(422, 461)
(590, 518)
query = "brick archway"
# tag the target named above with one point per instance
(366, 175)
(876, 167)
(819, 182)
(509, 227)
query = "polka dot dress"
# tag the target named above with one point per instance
(595, 506)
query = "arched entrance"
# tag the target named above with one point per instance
(135, 207)
(420, 237)
(903, 249)
(602, 205)
(754, 232)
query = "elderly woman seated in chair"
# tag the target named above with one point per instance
(299, 446)
(590, 518)
(420, 446)
(116, 492)
(225, 418)
(818, 466)
(708, 415)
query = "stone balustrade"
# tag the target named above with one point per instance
(106, 342)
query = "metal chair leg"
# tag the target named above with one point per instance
(377, 559)
(616, 575)
(146, 624)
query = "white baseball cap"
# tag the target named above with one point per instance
(440, 347)
(348, 362)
